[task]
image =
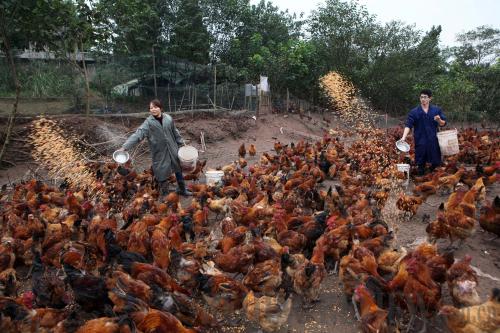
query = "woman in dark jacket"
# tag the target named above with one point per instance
(164, 141)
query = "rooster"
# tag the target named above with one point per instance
(89, 291)
(373, 318)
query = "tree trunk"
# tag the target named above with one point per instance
(12, 116)
(87, 85)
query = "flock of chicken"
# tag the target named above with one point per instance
(129, 260)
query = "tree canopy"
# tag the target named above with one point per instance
(388, 62)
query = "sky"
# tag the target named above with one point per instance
(454, 16)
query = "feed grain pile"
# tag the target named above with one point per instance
(59, 154)
(344, 96)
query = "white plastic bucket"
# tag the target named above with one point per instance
(448, 142)
(403, 167)
(188, 155)
(213, 176)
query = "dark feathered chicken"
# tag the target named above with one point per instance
(89, 291)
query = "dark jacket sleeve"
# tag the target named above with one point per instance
(411, 119)
(442, 116)
(177, 135)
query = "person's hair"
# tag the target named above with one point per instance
(427, 92)
(156, 102)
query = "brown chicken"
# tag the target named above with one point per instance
(429, 187)
(460, 225)
(232, 238)
(129, 285)
(410, 204)
(103, 324)
(455, 199)
(483, 318)
(48, 318)
(264, 277)
(439, 228)
(475, 194)
(8, 282)
(7, 255)
(267, 311)
(237, 260)
(184, 267)
(15, 316)
(184, 307)
(278, 147)
(378, 244)
(153, 275)
(242, 150)
(293, 239)
(160, 247)
(195, 174)
(367, 261)
(448, 182)
(139, 240)
(219, 205)
(222, 292)
(419, 290)
(489, 217)
(462, 283)
(388, 261)
(252, 150)
(439, 265)
(373, 318)
(154, 321)
(242, 162)
(308, 277)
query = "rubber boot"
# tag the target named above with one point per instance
(433, 167)
(163, 187)
(181, 185)
(421, 170)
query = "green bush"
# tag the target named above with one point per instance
(108, 76)
(47, 79)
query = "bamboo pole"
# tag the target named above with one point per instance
(215, 87)
(168, 91)
(182, 100)
(154, 71)
(287, 100)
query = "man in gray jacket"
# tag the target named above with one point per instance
(164, 141)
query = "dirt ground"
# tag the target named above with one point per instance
(223, 136)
